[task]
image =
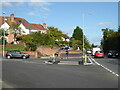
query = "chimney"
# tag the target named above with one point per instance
(12, 17)
(44, 25)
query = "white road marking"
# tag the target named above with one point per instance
(104, 67)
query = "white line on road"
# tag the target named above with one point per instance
(104, 67)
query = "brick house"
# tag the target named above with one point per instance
(26, 27)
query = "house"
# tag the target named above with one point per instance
(26, 27)
(66, 37)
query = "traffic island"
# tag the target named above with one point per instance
(69, 62)
(63, 62)
(87, 60)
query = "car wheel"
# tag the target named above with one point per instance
(8, 57)
(24, 57)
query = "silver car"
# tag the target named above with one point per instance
(16, 54)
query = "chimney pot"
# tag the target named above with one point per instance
(44, 25)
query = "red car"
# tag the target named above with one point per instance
(99, 54)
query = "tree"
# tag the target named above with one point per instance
(87, 44)
(2, 32)
(119, 29)
(32, 41)
(55, 33)
(110, 40)
(77, 39)
(15, 29)
(78, 34)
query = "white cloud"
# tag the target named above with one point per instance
(5, 4)
(31, 14)
(9, 4)
(38, 4)
(104, 24)
(46, 9)
(33, 3)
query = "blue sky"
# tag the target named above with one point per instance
(67, 15)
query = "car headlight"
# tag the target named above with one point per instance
(109, 54)
(116, 53)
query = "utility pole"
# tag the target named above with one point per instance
(4, 35)
(83, 33)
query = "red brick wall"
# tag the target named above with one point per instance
(70, 52)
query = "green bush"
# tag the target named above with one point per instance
(15, 47)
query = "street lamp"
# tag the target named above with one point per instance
(83, 16)
(4, 34)
(83, 33)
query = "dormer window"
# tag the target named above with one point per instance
(20, 21)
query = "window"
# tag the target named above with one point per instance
(20, 21)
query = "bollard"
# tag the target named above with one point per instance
(80, 62)
(85, 59)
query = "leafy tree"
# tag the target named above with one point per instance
(15, 29)
(75, 43)
(87, 44)
(36, 39)
(110, 40)
(55, 33)
(29, 44)
(77, 39)
(78, 34)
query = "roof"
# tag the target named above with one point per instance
(66, 36)
(38, 26)
(24, 22)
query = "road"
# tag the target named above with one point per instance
(18, 73)
(111, 63)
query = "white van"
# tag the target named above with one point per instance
(94, 50)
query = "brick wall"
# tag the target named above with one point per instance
(46, 51)
(49, 51)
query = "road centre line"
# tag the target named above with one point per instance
(104, 67)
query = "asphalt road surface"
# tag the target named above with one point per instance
(111, 63)
(19, 73)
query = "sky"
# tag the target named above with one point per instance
(90, 16)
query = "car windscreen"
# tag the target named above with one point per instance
(99, 51)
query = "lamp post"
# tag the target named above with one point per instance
(83, 32)
(4, 34)
(83, 16)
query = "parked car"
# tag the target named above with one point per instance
(16, 54)
(95, 49)
(99, 54)
(112, 53)
(88, 51)
(65, 48)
